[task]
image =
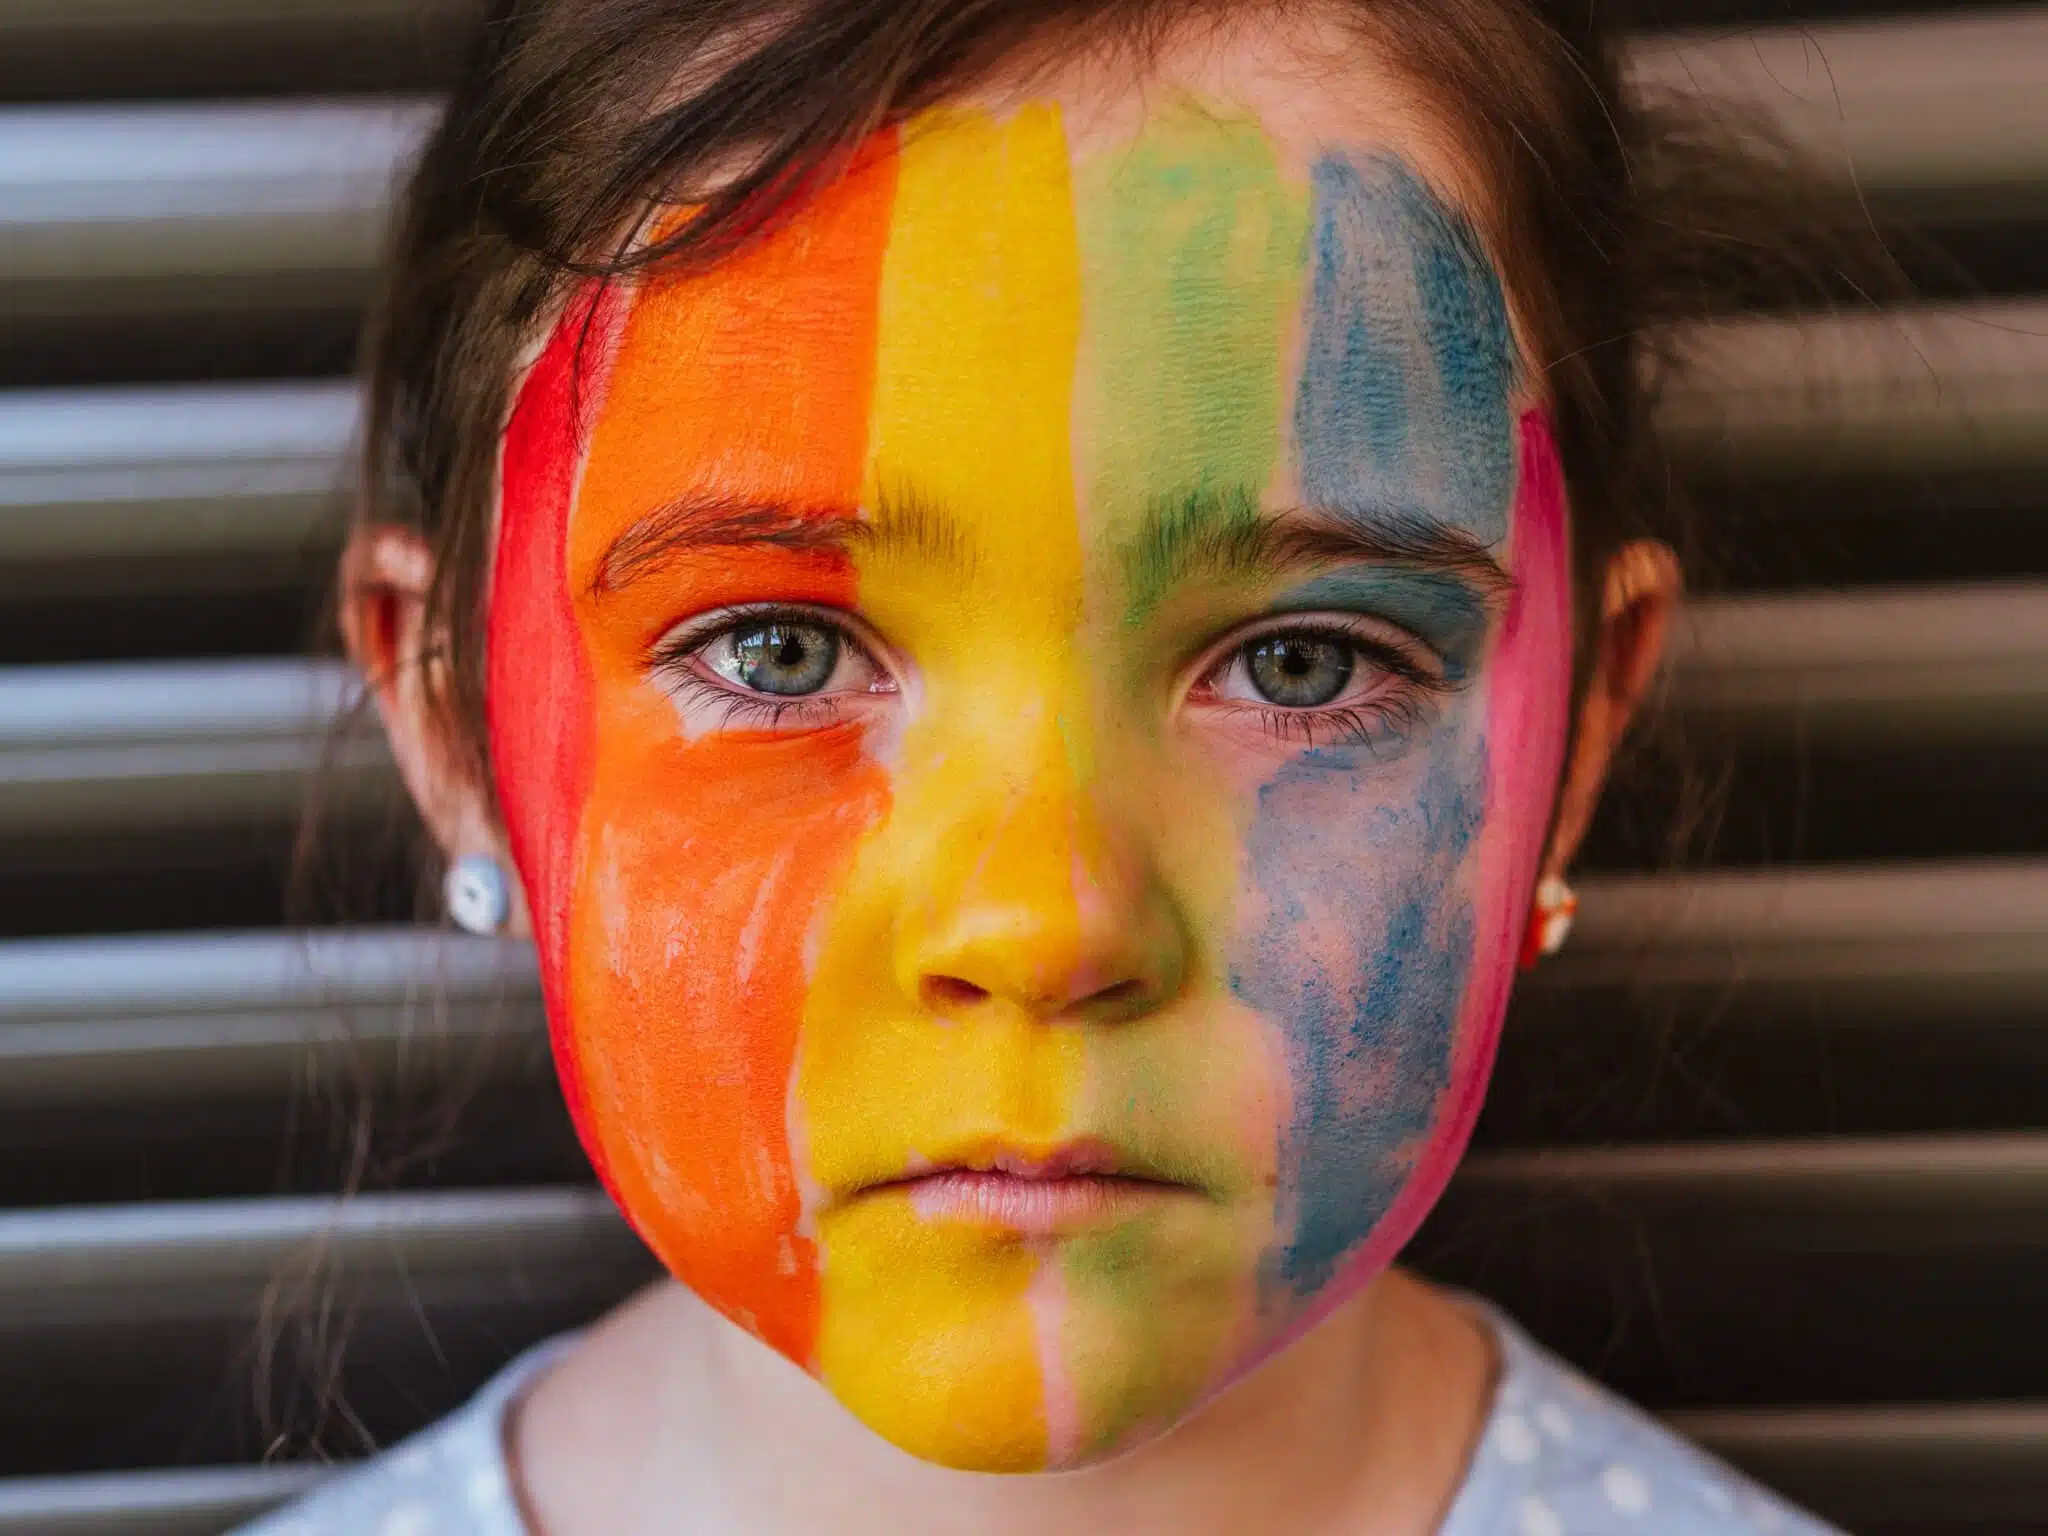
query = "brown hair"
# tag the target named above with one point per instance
(1614, 218)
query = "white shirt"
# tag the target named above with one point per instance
(1559, 1457)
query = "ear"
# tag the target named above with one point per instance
(386, 573)
(1640, 594)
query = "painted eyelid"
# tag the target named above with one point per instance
(1438, 610)
(692, 634)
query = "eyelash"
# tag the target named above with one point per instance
(1399, 707)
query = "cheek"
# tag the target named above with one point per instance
(1359, 938)
(704, 870)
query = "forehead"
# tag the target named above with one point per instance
(1221, 282)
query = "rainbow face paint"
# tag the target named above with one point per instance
(1027, 706)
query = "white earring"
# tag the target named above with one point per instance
(478, 897)
(1556, 905)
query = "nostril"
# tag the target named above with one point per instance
(1118, 996)
(943, 994)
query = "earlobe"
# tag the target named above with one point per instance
(1640, 594)
(387, 573)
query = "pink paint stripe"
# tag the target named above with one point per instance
(1048, 1300)
(1528, 705)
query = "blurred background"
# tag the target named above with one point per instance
(1768, 1148)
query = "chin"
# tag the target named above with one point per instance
(986, 1416)
(973, 1348)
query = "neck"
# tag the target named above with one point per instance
(1364, 1426)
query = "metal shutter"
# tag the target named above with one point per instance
(1768, 1148)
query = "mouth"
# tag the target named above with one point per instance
(1034, 1193)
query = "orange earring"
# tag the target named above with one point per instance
(1551, 923)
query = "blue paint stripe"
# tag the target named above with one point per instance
(1402, 412)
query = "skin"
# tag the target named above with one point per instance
(1039, 868)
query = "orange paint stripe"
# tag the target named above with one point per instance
(733, 383)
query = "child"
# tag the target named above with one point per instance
(1029, 602)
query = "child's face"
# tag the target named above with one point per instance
(1028, 711)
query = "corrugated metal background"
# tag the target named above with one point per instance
(1768, 1147)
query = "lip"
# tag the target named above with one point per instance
(1035, 1193)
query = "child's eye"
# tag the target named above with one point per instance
(787, 658)
(1323, 681)
(1298, 670)
(766, 669)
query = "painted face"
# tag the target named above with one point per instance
(1027, 706)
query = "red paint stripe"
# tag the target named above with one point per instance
(538, 680)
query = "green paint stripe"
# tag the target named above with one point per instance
(1193, 248)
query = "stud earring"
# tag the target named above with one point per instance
(1551, 923)
(478, 898)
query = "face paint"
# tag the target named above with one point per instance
(1444, 611)
(980, 305)
(1402, 407)
(1042, 433)
(1192, 244)
(543, 745)
(679, 988)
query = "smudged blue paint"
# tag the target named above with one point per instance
(1402, 408)
(1369, 1038)
(1446, 614)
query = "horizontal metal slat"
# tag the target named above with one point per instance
(165, 1307)
(1797, 914)
(173, 1501)
(101, 20)
(1752, 1250)
(94, 747)
(177, 745)
(1878, 1000)
(81, 1262)
(260, 472)
(1930, 1463)
(147, 207)
(140, 48)
(190, 1018)
(1947, 113)
(212, 1259)
(1935, 389)
(193, 1016)
(1752, 1272)
(1956, 664)
(1871, 944)
(1877, 68)
(152, 209)
(146, 1264)
(238, 473)
(209, 1016)
(1924, 1188)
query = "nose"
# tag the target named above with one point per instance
(1041, 903)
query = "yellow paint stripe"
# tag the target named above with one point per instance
(971, 425)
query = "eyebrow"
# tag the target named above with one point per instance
(902, 524)
(1223, 535)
